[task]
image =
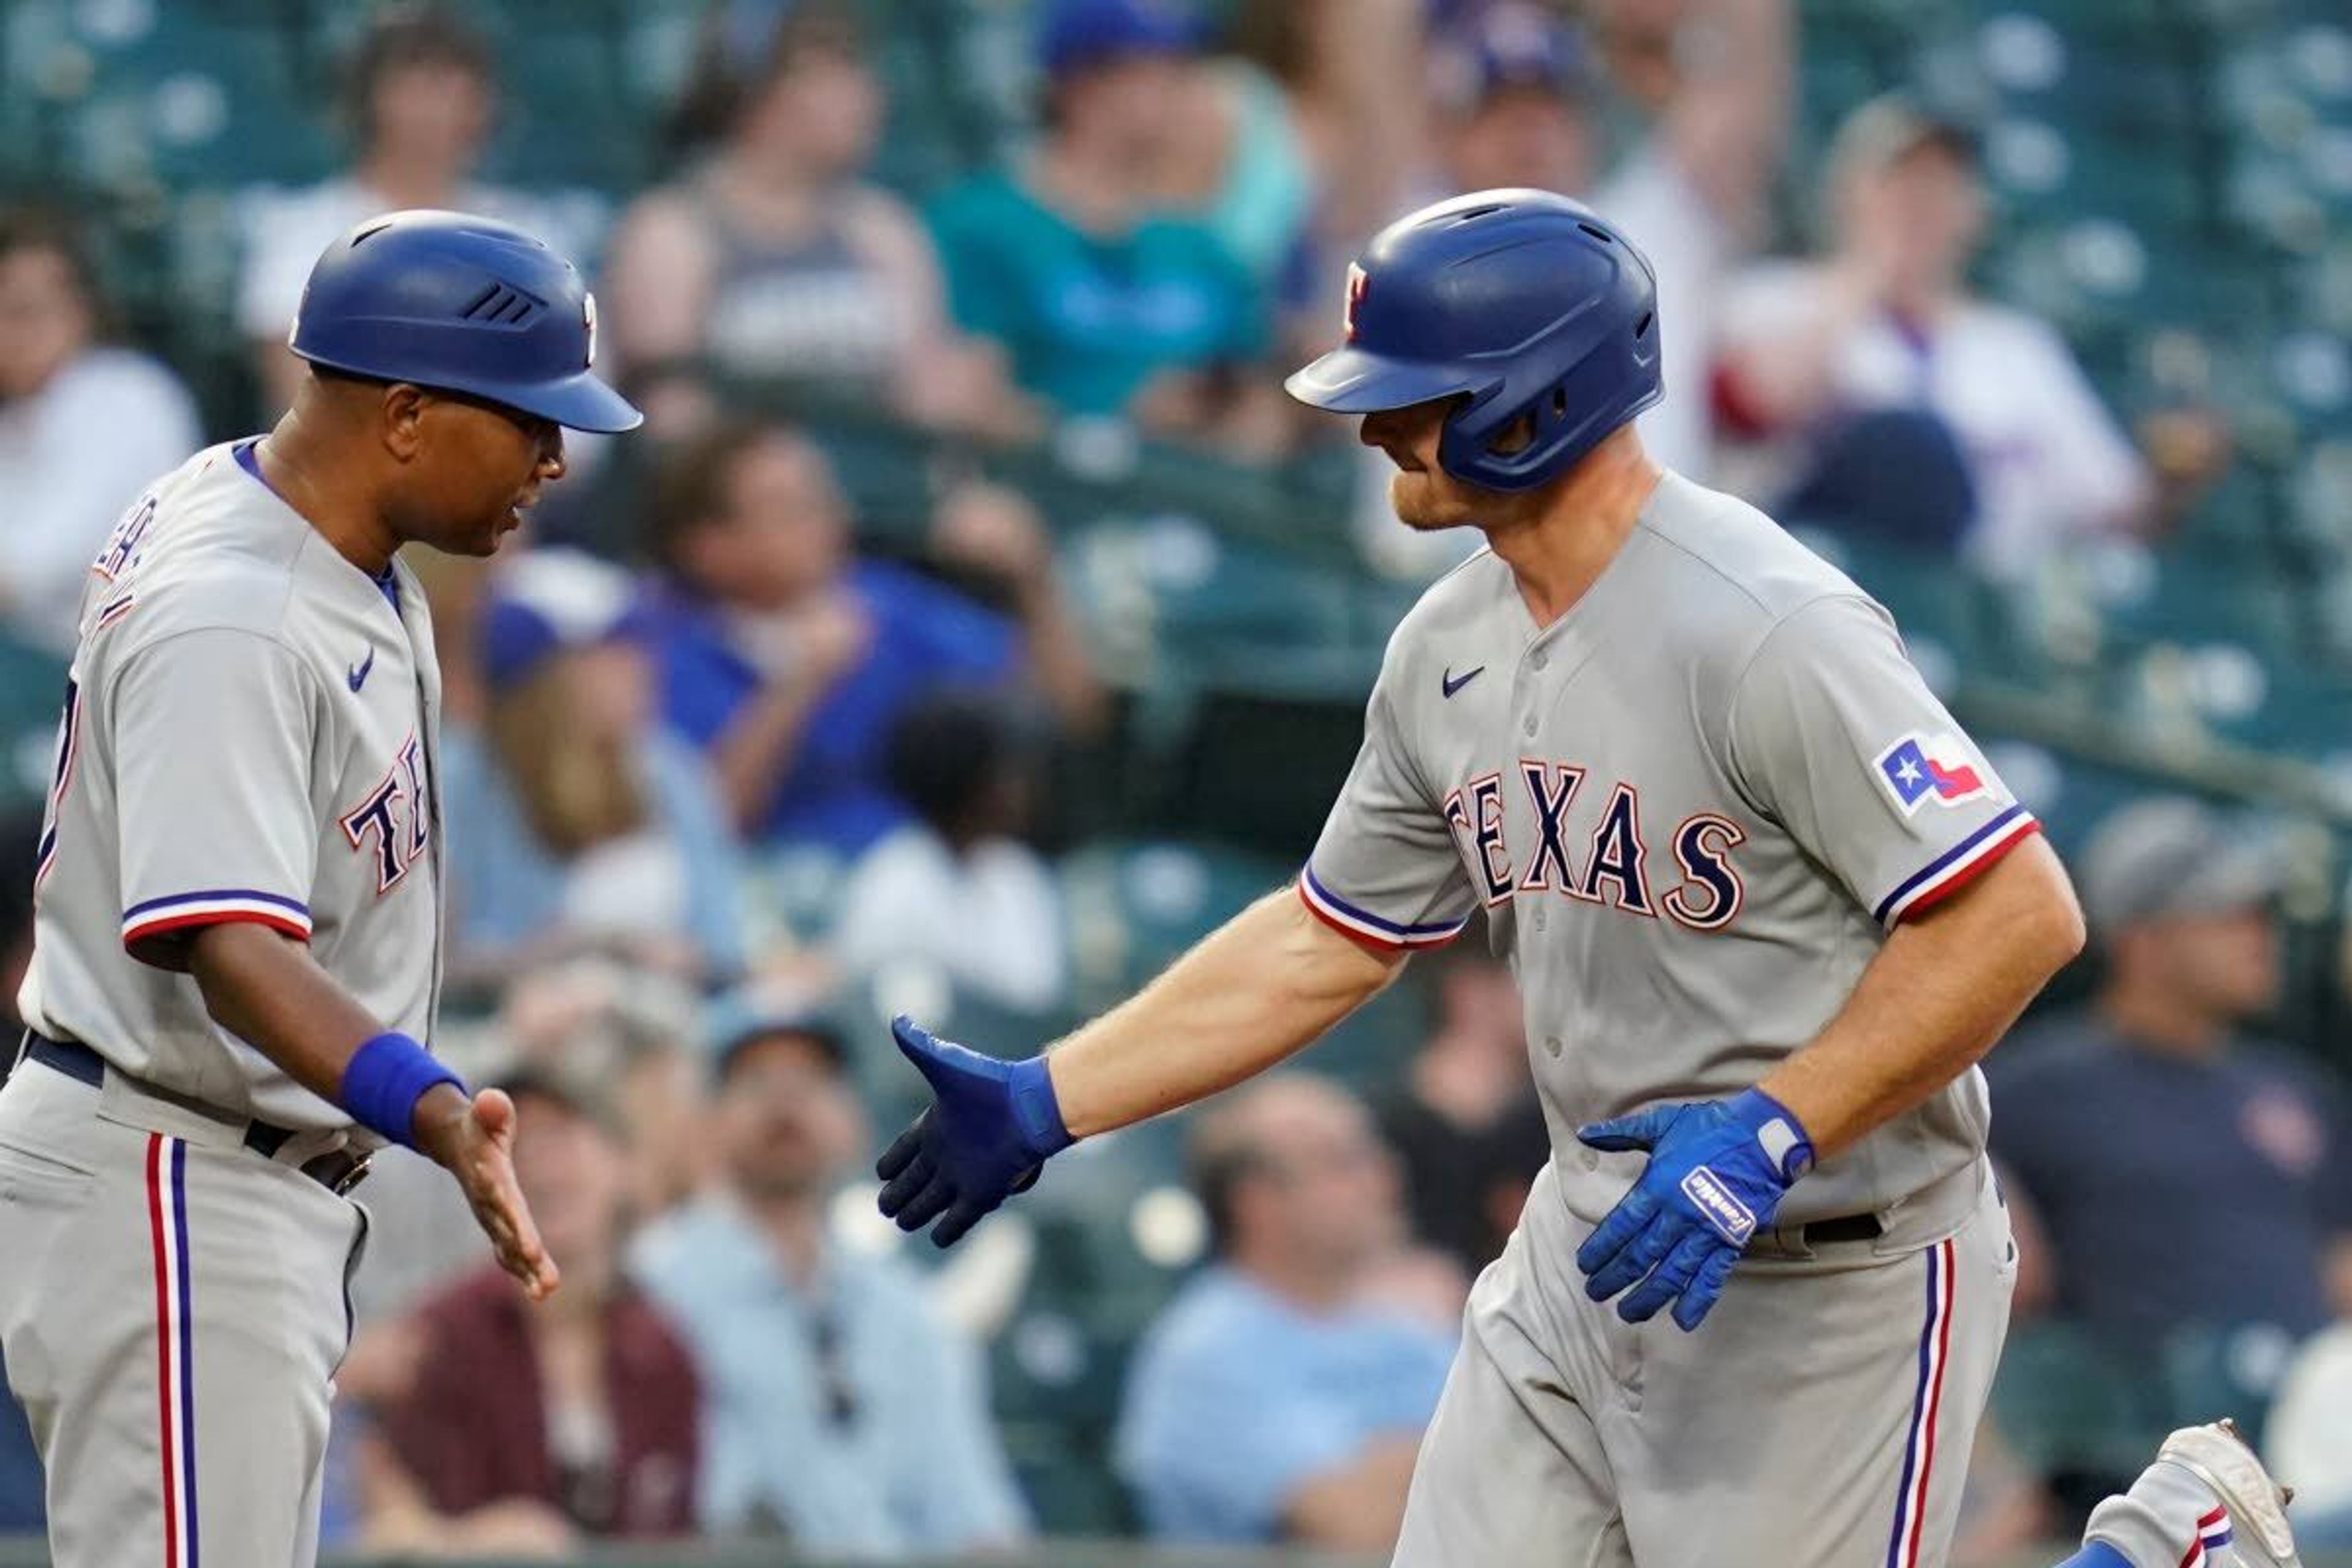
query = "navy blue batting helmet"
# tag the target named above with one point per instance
(1523, 304)
(463, 304)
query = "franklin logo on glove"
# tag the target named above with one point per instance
(1723, 1211)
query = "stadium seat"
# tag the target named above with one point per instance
(1135, 906)
(2235, 1368)
(2198, 596)
(2066, 1403)
(140, 94)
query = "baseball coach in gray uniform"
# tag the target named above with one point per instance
(239, 911)
(1766, 904)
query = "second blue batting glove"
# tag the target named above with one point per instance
(1718, 1171)
(991, 1126)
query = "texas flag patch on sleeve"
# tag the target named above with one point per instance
(1920, 768)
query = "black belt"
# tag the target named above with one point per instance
(1844, 1227)
(338, 1170)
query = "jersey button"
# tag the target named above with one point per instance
(1551, 1045)
(1529, 728)
(1541, 918)
(1539, 660)
(1589, 1160)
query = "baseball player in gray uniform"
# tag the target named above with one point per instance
(238, 939)
(1766, 904)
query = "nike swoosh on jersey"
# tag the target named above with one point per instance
(357, 675)
(1451, 685)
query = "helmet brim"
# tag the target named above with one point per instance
(582, 402)
(1355, 380)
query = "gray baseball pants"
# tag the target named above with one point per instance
(172, 1308)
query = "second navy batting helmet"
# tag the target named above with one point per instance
(1524, 304)
(462, 304)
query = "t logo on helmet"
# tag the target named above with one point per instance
(1357, 281)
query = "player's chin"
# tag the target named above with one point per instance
(1420, 505)
(488, 538)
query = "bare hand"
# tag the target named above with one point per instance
(474, 1141)
(830, 636)
(963, 383)
(992, 530)
(2186, 447)
(520, 1527)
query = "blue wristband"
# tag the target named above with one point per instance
(1036, 1109)
(384, 1080)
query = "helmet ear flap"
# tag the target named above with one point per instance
(1531, 423)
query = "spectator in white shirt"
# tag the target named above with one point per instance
(84, 427)
(1884, 325)
(423, 96)
(2309, 1437)
(957, 887)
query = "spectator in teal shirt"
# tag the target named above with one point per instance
(1107, 303)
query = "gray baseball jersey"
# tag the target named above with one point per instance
(248, 735)
(1692, 808)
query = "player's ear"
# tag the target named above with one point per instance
(401, 410)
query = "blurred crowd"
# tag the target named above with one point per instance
(700, 672)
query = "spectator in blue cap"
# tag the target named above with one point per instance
(572, 818)
(1107, 303)
(1078, 34)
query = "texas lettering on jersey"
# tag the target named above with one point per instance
(392, 822)
(1608, 865)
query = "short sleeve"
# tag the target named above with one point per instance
(2093, 466)
(980, 295)
(1834, 736)
(1248, 309)
(1386, 870)
(212, 735)
(959, 638)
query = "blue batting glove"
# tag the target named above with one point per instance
(991, 1126)
(1718, 1171)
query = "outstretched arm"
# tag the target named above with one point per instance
(1260, 987)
